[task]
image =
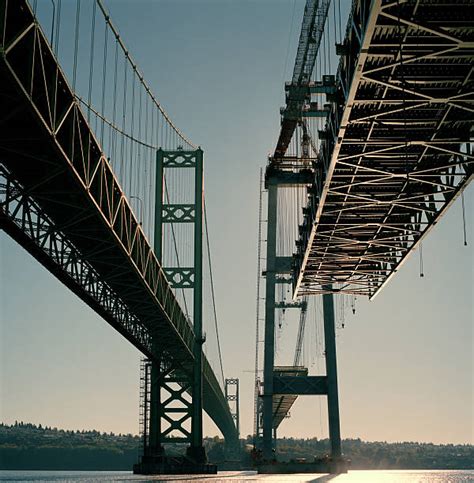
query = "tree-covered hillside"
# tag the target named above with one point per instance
(383, 455)
(27, 446)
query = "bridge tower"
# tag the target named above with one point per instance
(232, 395)
(287, 381)
(176, 390)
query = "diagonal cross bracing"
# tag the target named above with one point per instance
(399, 143)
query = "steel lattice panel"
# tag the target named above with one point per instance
(398, 143)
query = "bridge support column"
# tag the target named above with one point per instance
(176, 392)
(154, 446)
(331, 372)
(196, 450)
(269, 350)
(232, 449)
(294, 380)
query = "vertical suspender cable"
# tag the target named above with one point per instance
(422, 274)
(257, 324)
(91, 65)
(104, 76)
(340, 22)
(113, 132)
(132, 130)
(58, 22)
(464, 218)
(76, 45)
(175, 245)
(213, 293)
(124, 110)
(53, 19)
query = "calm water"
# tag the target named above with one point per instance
(388, 476)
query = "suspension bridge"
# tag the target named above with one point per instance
(71, 206)
(99, 185)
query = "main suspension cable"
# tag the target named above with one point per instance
(140, 75)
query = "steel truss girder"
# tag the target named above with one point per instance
(65, 172)
(24, 220)
(397, 152)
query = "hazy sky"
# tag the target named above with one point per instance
(405, 359)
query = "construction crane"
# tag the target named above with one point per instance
(298, 90)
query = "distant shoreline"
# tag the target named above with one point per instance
(36, 448)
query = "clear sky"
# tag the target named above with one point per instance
(405, 359)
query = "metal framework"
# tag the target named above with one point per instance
(145, 390)
(282, 385)
(397, 146)
(171, 411)
(233, 398)
(61, 201)
(298, 90)
(232, 394)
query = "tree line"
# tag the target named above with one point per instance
(25, 446)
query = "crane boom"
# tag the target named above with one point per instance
(297, 91)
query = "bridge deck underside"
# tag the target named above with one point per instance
(56, 164)
(398, 148)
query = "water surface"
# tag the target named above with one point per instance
(373, 476)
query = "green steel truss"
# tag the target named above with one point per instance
(232, 394)
(176, 396)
